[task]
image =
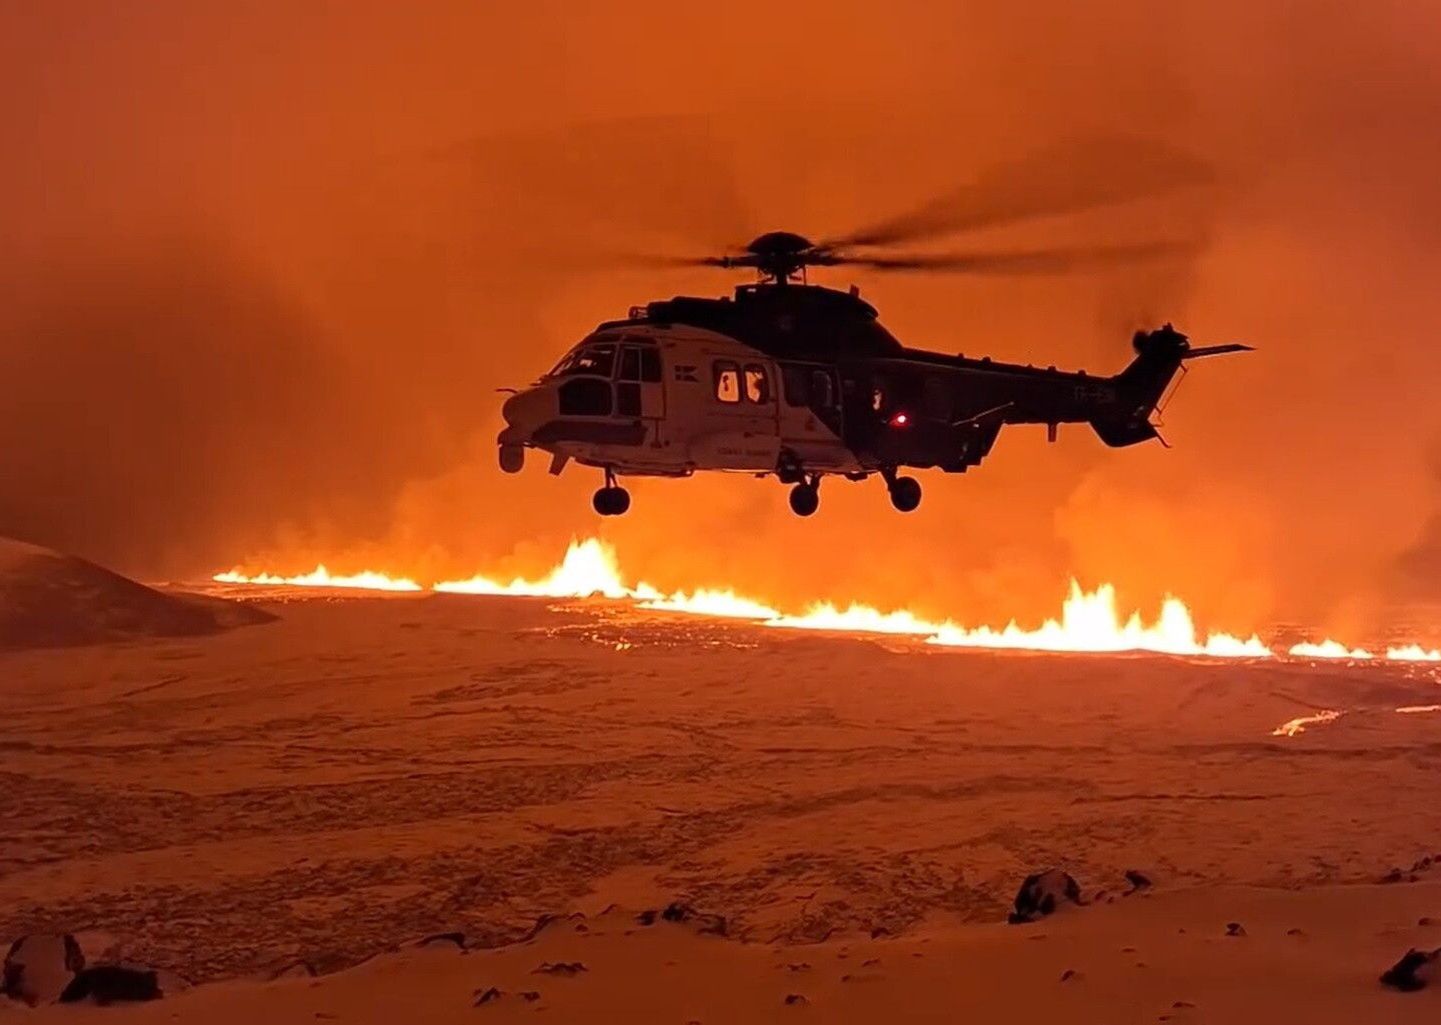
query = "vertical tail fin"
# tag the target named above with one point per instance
(1140, 387)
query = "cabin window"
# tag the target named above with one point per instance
(878, 395)
(795, 384)
(758, 384)
(650, 365)
(823, 392)
(727, 380)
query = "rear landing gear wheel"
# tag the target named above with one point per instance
(905, 493)
(805, 499)
(611, 500)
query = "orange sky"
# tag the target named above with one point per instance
(267, 263)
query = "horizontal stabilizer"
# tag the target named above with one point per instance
(1120, 433)
(1216, 350)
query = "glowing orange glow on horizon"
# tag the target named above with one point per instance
(366, 580)
(1413, 653)
(1089, 621)
(1328, 649)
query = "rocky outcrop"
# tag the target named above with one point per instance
(1042, 893)
(1417, 969)
(38, 967)
(112, 984)
(50, 600)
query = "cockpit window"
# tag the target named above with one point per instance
(598, 360)
(630, 363)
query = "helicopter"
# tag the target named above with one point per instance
(799, 381)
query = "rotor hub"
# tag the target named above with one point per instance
(780, 254)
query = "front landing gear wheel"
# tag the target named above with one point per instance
(805, 499)
(611, 500)
(905, 493)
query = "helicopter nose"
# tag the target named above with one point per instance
(525, 411)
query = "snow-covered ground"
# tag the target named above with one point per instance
(369, 770)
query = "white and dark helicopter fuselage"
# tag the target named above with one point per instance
(802, 382)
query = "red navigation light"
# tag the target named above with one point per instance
(901, 420)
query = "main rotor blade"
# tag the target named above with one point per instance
(1035, 261)
(1074, 176)
(654, 260)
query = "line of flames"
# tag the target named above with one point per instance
(1089, 620)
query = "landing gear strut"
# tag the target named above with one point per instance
(905, 491)
(611, 500)
(806, 496)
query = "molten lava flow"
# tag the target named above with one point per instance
(1328, 649)
(1090, 620)
(589, 568)
(1413, 653)
(856, 618)
(705, 602)
(1298, 725)
(321, 577)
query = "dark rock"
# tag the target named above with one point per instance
(1393, 876)
(457, 938)
(560, 968)
(870, 962)
(1295, 932)
(49, 600)
(795, 999)
(1416, 970)
(1180, 1004)
(678, 912)
(1069, 974)
(530, 996)
(800, 966)
(1425, 920)
(1042, 893)
(486, 996)
(707, 923)
(1138, 880)
(1235, 929)
(39, 967)
(112, 984)
(879, 931)
(294, 970)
